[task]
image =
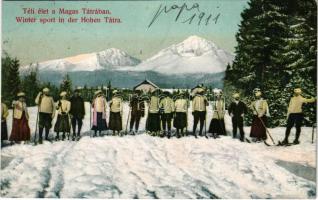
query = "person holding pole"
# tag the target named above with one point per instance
(20, 125)
(237, 110)
(99, 105)
(46, 111)
(199, 104)
(217, 125)
(167, 106)
(137, 106)
(116, 112)
(295, 115)
(4, 115)
(63, 119)
(180, 120)
(260, 113)
(77, 113)
(153, 120)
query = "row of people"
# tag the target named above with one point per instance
(161, 112)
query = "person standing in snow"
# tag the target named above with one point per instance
(46, 112)
(137, 106)
(153, 121)
(295, 114)
(199, 104)
(116, 112)
(4, 115)
(77, 113)
(181, 109)
(237, 110)
(260, 114)
(99, 105)
(167, 106)
(63, 119)
(20, 126)
(217, 125)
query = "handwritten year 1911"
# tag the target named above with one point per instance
(186, 14)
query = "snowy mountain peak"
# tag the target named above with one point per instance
(193, 55)
(115, 57)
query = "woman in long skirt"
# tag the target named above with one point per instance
(260, 114)
(99, 105)
(217, 125)
(63, 119)
(20, 126)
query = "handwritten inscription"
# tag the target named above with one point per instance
(185, 14)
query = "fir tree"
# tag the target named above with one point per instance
(66, 84)
(10, 78)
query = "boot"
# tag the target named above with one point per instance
(57, 137)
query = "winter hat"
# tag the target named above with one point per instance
(21, 94)
(46, 89)
(98, 92)
(236, 95)
(115, 91)
(200, 90)
(258, 93)
(297, 91)
(63, 94)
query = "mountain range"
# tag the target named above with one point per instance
(193, 58)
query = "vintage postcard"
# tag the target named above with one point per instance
(173, 99)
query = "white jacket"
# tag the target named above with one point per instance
(181, 105)
(100, 104)
(47, 104)
(116, 105)
(167, 104)
(199, 103)
(154, 105)
(65, 106)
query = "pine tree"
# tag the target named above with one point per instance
(66, 84)
(30, 85)
(10, 78)
(276, 52)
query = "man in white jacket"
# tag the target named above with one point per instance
(46, 112)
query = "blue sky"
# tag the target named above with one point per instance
(40, 42)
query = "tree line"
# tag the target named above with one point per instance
(276, 52)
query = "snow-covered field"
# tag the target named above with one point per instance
(150, 167)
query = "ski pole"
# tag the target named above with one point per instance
(313, 131)
(129, 113)
(264, 126)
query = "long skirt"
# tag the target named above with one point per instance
(20, 129)
(4, 130)
(217, 126)
(180, 120)
(62, 124)
(153, 122)
(115, 123)
(101, 123)
(258, 130)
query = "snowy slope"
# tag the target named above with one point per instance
(193, 55)
(106, 59)
(148, 167)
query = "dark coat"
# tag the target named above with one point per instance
(77, 107)
(137, 106)
(237, 109)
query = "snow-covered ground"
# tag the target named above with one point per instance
(150, 167)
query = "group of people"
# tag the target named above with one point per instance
(164, 111)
